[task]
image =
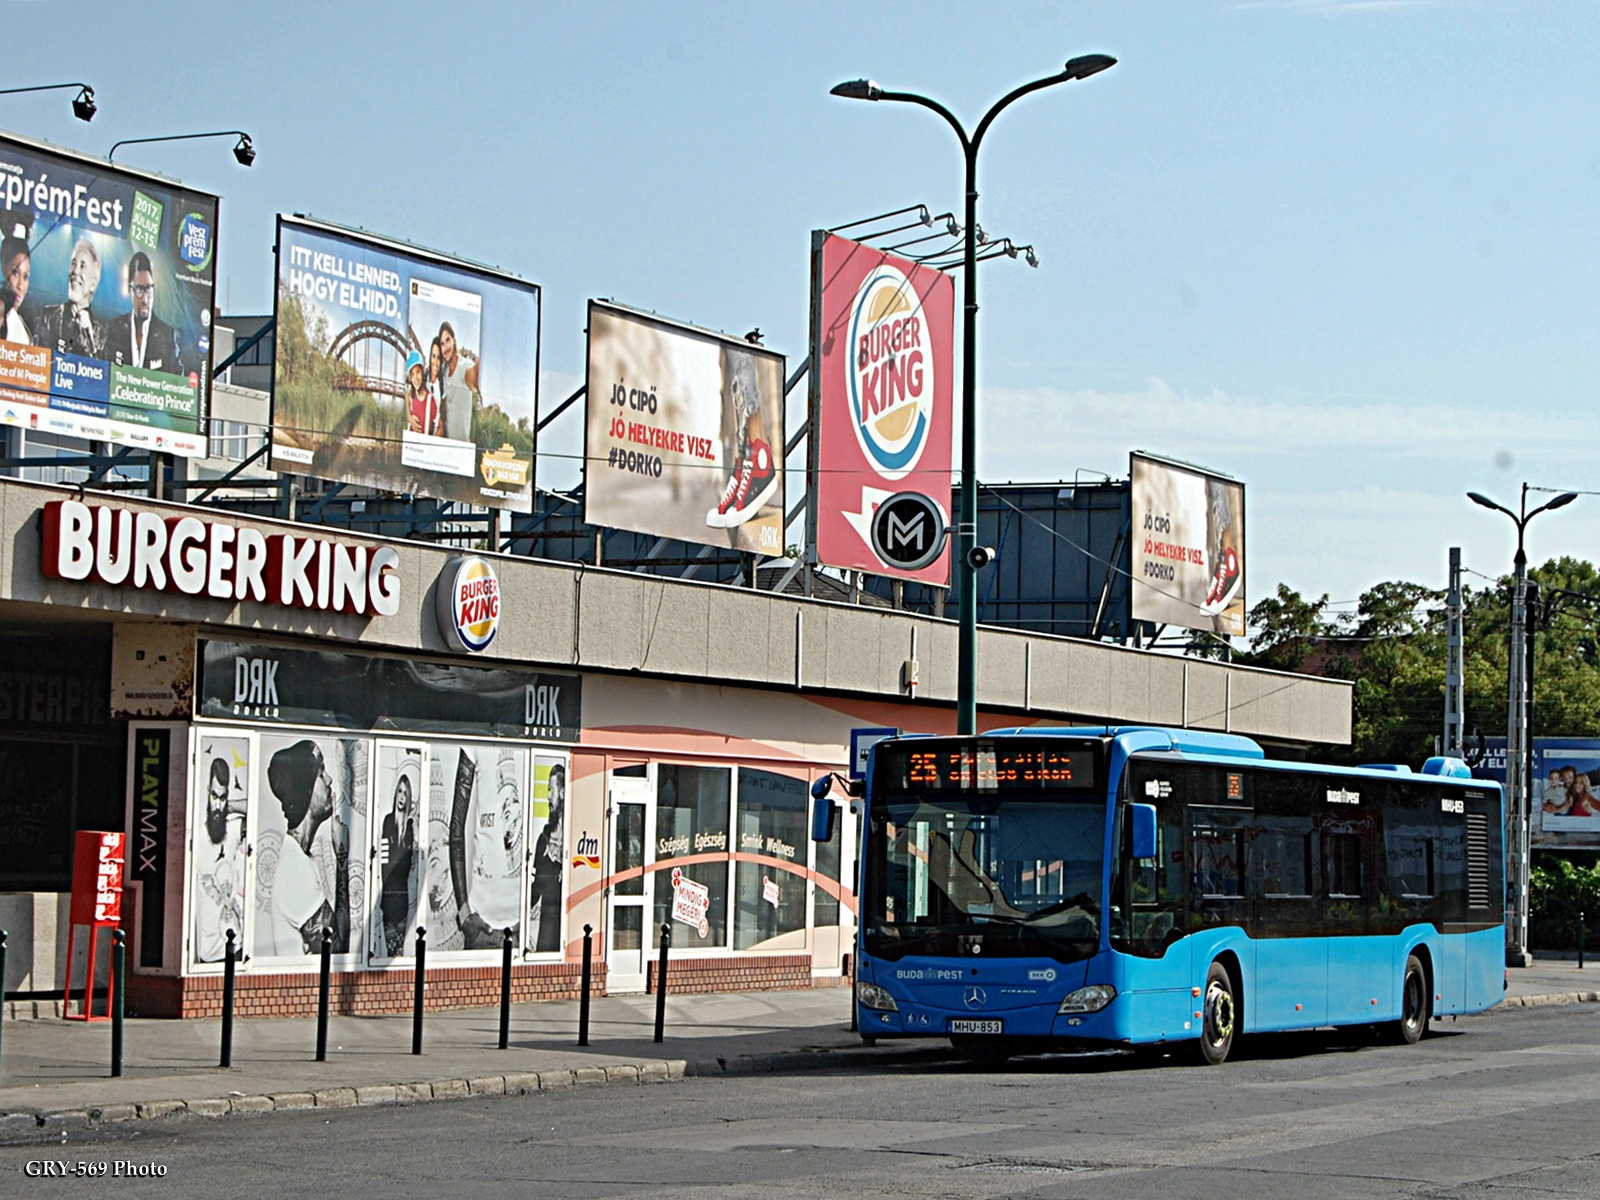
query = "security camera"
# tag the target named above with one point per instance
(980, 557)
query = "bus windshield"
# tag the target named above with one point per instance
(1001, 876)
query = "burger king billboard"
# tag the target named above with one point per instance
(884, 336)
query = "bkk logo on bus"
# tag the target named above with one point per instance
(891, 372)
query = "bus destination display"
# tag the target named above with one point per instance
(1030, 766)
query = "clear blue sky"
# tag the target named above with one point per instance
(1346, 251)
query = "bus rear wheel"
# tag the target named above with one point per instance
(1415, 1011)
(1219, 1019)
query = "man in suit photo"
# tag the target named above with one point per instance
(139, 338)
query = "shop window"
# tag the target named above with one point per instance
(769, 901)
(692, 820)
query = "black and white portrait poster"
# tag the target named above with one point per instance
(477, 815)
(400, 856)
(220, 853)
(310, 812)
(548, 831)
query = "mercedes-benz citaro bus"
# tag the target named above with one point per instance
(1130, 886)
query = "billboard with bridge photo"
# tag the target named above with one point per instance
(403, 370)
(107, 282)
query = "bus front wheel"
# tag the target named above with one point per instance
(1219, 1020)
(1415, 1010)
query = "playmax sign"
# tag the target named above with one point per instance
(133, 548)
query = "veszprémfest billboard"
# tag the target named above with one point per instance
(1188, 547)
(404, 370)
(885, 340)
(685, 433)
(105, 301)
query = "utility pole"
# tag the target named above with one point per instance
(1455, 706)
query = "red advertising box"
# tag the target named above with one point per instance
(97, 871)
(885, 343)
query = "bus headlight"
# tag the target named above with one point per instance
(874, 997)
(1088, 999)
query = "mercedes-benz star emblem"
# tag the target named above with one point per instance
(973, 997)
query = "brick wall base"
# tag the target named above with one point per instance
(734, 973)
(354, 992)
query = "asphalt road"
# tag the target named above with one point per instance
(1496, 1106)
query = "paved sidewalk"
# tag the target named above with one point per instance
(56, 1073)
(1553, 981)
(54, 1066)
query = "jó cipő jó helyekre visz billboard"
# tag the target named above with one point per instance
(685, 433)
(1188, 547)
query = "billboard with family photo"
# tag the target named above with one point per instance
(1188, 547)
(685, 433)
(107, 284)
(403, 370)
(1566, 792)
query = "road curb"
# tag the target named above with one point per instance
(1550, 998)
(34, 1124)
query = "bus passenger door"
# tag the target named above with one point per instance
(1219, 891)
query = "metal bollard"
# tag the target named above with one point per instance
(2, 989)
(416, 990)
(583, 997)
(505, 991)
(229, 953)
(119, 976)
(1580, 940)
(661, 979)
(322, 994)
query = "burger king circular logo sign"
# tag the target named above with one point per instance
(467, 602)
(891, 372)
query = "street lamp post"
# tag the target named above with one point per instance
(83, 105)
(1518, 783)
(967, 522)
(244, 149)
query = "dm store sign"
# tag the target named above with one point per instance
(468, 604)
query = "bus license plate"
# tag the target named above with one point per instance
(961, 1026)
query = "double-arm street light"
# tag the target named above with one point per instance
(83, 105)
(966, 566)
(1518, 701)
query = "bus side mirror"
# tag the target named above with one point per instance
(823, 814)
(1142, 838)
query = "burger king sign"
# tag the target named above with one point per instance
(886, 344)
(467, 603)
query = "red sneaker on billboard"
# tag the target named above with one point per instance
(757, 482)
(717, 517)
(1224, 584)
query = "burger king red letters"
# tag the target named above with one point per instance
(132, 548)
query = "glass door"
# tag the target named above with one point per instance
(629, 892)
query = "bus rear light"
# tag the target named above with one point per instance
(1087, 999)
(870, 995)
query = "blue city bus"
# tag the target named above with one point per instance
(1132, 886)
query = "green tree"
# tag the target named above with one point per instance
(1392, 649)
